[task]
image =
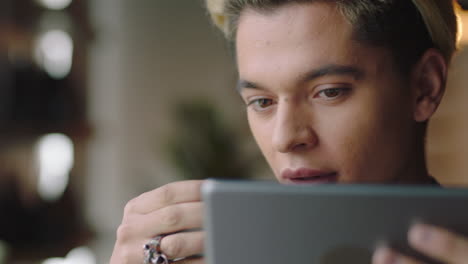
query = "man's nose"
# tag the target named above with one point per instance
(293, 130)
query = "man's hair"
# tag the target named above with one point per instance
(406, 27)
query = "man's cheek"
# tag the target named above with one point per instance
(352, 155)
(264, 142)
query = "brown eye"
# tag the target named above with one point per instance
(332, 93)
(261, 104)
(264, 103)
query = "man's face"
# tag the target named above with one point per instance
(322, 106)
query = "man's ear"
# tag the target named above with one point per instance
(428, 82)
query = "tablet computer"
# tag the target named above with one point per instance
(268, 223)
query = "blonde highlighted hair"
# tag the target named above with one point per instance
(440, 20)
(407, 28)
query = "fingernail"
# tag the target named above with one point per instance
(384, 255)
(420, 233)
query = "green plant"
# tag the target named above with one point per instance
(203, 146)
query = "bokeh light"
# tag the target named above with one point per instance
(54, 53)
(56, 159)
(55, 4)
(81, 255)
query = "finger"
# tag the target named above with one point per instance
(130, 252)
(131, 236)
(174, 218)
(181, 245)
(438, 243)
(172, 193)
(385, 255)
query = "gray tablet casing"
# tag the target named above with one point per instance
(268, 223)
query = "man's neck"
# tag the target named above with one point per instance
(416, 171)
(417, 179)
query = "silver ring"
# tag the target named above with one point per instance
(152, 252)
(155, 258)
(160, 259)
(154, 244)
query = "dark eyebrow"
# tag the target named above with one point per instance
(241, 84)
(332, 69)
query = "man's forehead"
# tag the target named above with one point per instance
(293, 19)
(294, 27)
(288, 46)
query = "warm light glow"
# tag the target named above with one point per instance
(82, 255)
(462, 24)
(54, 53)
(55, 4)
(56, 159)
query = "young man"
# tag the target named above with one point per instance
(336, 91)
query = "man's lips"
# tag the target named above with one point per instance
(304, 176)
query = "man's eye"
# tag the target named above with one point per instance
(261, 103)
(332, 93)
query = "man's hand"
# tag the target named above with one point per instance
(167, 210)
(432, 241)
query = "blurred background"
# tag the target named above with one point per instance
(103, 100)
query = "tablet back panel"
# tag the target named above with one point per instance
(259, 222)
